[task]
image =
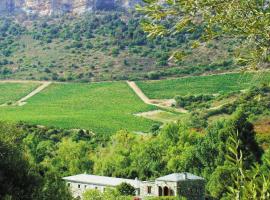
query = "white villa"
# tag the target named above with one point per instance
(178, 184)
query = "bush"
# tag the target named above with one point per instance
(126, 189)
(154, 75)
(115, 52)
(92, 195)
(192, 101)
(155, 128)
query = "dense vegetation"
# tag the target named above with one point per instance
(21, 176)
(196, 144)
(100, 46)
(223, 136)
(176, 148)
(205, 109)
(245, 20)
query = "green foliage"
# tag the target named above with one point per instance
(255, 101)
(248, 20)
(8, 34)
(178, 148)
(125, 189)
(21, 178)
(18, 181)
(63, 152)
(70, 45)
(109, 194)
(137, 156)
(66, 157)
(191, 102)
(247, 183)
(220, 180)
(54, 188)
(92, 195)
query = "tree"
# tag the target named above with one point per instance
(71, 157)
(247, 20)
(18, 179)
(54, 188)
(21, 178)
(248, 144)
(246, 183)
(116, 156)
(219, 180)
(126, 189)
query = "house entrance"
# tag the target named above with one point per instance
(166, 191)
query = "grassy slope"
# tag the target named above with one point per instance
(202, 84)
(10, 92)
(102, 107)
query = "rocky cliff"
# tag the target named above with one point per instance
(48, 7)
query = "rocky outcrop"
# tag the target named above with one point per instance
(48, 7)
(7, 6)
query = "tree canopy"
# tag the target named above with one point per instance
(247, 20)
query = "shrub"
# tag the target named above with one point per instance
(92, 195)
(126, 189)
(115, 51)
(154, 75)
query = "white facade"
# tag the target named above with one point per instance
(178, 184)
(78, 184)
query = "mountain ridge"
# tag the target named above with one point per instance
(49, 7)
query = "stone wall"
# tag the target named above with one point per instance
(77, 189)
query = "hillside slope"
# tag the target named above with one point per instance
(101, 46)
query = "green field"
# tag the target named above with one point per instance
(10, 92)
(165, 89)
(101, 107)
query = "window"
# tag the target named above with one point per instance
(149, 189)
(68, 184)
(85, 186)
(79, 186)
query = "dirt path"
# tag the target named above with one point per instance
(139, 92)
(23, 100)
(162, 103)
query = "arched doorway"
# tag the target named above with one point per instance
(159, 191)
(166, 191)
